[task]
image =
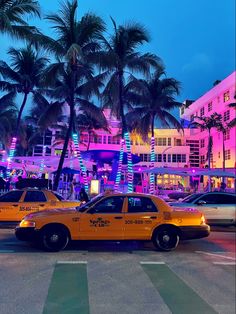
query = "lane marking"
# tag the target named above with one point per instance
(71, 262)
(178, 296)
(224, 263)
(215, 255)
(152, 263)
(68, 290)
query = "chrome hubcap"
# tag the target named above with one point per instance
(54, 238)
(166, 238)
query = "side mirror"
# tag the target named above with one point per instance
(200, 203)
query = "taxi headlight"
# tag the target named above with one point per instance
(27, 223)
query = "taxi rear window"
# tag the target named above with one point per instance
(35, 196)
(13, 196)
(140, 204)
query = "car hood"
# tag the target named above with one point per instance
(51, 212)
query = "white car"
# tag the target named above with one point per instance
(217, 207)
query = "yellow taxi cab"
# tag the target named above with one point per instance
(15, 204)
(130, 216)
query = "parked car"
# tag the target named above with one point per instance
(217, 207)
(128, 216)
(14, 205)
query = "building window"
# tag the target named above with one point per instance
(183, 158)
(164, 157)
(178, 142)
(226, 115)
(169, 157)
(202, 111)
(104, 139)
(178, 157)
(226, 135)
(159, 157)
(174, 158)
(227, 154)
(210, 106)
(169, 141)
(202, 159)
(218, 154)
(109, 139)
(226, 96)
(161, 141)
(202, 143)
(145, 157)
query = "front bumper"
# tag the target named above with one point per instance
(194, 232)
(26, 233)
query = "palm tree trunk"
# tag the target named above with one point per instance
(14, 138)
(152, 175)
(129, 162)
(65, 146)
(82, 166)
(118, 174)
(20, 113)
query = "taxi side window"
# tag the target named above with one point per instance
(109, 205)
(35, 196)
(140, 204)
(13, 196)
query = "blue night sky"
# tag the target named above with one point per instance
(195, 39)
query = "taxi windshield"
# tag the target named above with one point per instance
(94, 200)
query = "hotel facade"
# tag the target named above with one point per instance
(172, 148)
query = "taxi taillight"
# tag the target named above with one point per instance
(203, 220)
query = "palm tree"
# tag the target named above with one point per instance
(13, 15)
(208, 123)
(153, 99)
(8, 114)
(22, 76)
(121, 58)
(75, 43)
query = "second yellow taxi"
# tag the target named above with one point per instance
(15, 204)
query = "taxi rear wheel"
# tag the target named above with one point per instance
(166, 239)
(54, 238)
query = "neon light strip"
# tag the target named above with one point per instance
(11, 155)
(118, 175)
(130, 164)
(152, 175)
(42, 162)
(82, 166)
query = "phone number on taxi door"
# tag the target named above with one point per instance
(137, 222)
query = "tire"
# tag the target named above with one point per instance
(166, 239)
(54, 238)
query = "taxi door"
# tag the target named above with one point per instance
(140, 218)
(104, 220)
(10, 205)
(33, 202)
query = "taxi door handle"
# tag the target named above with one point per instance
(118, 217)
(41, 205)
(153, 217)
(15, 205)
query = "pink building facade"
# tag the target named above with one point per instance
(217, 100)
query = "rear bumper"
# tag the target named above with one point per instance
(25, 234)
(194, 232)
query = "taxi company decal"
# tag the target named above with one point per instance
(99, 222)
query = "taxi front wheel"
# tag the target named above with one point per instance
(54, 238)
(166, 239)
